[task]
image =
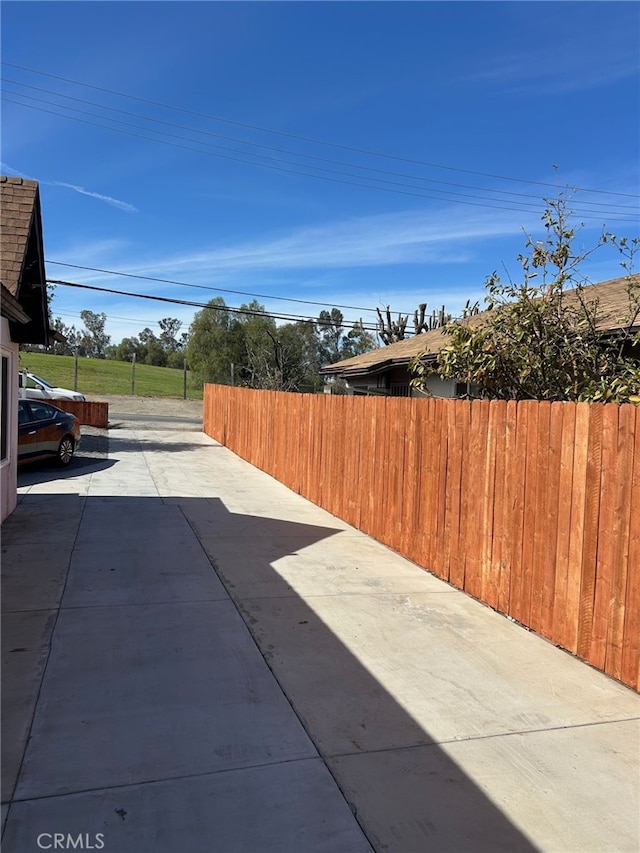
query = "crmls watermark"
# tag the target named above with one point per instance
(67, 841)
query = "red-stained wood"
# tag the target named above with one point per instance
(476, 495)
(551, 503)
(609, 529)
(486, 532)
(89, 413)
(590, 540)
(530, 469)
(620, 555)
(451, 565)
(440, 485)
(533, 508)
(517, 507)
(630, 665)
(503, 539)
(558, 628)
(540, 532)
(492, 542)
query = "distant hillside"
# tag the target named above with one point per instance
(101, 376)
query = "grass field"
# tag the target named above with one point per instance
(99, 376)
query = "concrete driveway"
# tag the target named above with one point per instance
(197, 659)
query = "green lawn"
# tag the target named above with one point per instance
(99, 376)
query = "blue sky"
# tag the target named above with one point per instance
(358, 154)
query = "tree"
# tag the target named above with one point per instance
(93, 341)
(357, 341)
(69, 333)
(391, 331)
(540, 338)
(169, 328)
(335, 343)
(125, 350)
(212, 347)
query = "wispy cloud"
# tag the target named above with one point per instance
(373, 241)
(600, 53)
(114, 202)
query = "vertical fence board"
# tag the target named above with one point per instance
(590, 540)
(455, 510)
(620, 556)
(428, 529)
(609, 528)
(516, 521)
(551, 509)
(521, 590)
(409, 496)
(507, 547)
(561, 607)
(440, 453)
(476, 488)
(537, 532)
(494, 517)
(630, 666)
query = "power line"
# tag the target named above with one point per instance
(288, 151)
(208, 287)
(513, 206)
(292, 318)
(268, 166)
(248, 126)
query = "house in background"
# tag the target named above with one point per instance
(385, 371)
(24, 311)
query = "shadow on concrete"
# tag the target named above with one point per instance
(141, 442)
(34, 473)
(446, 809)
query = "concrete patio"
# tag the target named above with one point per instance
(197, 659)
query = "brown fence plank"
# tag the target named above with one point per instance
(630, 666)
(615, 620)
(504, 544)
(609, 529)
(89, 413)
(476, 488)
(522, 580)
(542, 554)
(494, 510)
(558, 629)
(456, 495)
(590, 541)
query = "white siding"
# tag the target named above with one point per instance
(9, 465)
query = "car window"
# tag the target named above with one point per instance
(41, 381)
(41, 411)
(24, 413)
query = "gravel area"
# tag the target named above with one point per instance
(140, 413)
(167, 406)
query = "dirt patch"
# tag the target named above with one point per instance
(128, 404)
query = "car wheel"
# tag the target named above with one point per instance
(65, 450)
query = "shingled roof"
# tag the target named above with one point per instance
(613, 311)
(22, 270)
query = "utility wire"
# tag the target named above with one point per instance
(248, 126)
(513, 206)
(208, 287)
(292, 318)
(609, 206)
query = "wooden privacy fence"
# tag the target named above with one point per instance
(90, 413)
(532, 507)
